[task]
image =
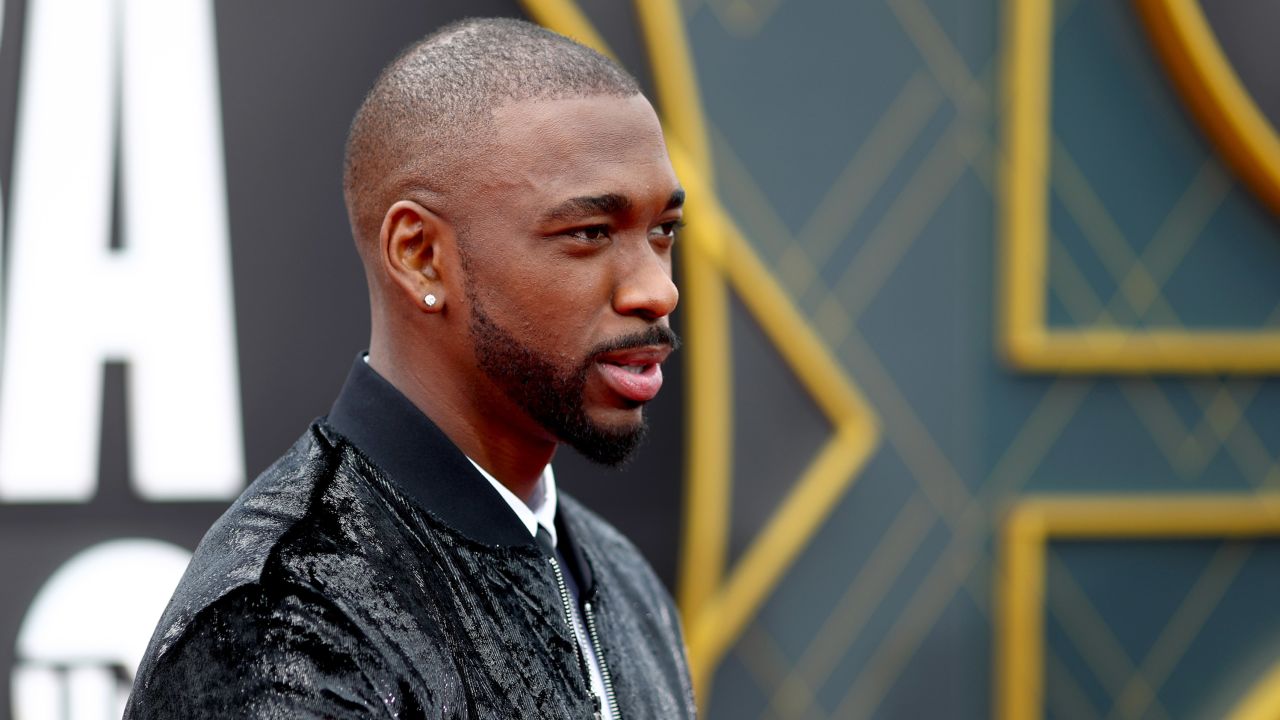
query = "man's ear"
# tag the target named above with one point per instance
(410, 243)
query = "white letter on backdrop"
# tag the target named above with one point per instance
(163, 301)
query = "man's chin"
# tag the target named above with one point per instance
(608, 445)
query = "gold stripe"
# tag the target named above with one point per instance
(1215, 93)
(1121, 351)
(1025, 340)
(709, 416)
(675, 80)
(1138, 516)
(1025, 180)
(1019, 626)
(709, 410)
(1019, 641)
(1263, 701)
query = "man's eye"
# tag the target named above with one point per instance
(667, 229)
(595, 233)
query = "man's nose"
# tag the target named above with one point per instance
(645, 288)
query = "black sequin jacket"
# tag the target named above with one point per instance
(372, 573)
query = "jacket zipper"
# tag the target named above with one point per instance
(607, 680)
(590, 620)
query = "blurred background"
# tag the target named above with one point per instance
(977, 414)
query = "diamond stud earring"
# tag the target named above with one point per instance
(430, 300)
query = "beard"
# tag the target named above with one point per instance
(555, 395)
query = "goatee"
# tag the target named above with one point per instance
(555, 397)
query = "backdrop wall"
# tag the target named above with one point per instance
(977, 414)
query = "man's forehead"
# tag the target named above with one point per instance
(551, 151)
(576, 121)
(569, 105)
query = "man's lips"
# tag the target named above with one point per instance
(634, 373)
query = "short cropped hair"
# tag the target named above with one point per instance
(432, 107)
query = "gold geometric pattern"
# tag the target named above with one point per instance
(1035, 163)
(1038, 162)
(934, 134)
(943, 493)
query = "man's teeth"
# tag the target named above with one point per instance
(635, 369)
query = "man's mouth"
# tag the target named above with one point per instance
(634, 373)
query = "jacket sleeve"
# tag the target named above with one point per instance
(255, 653)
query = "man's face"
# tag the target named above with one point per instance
(567, 263)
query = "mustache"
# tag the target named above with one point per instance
(654, 335)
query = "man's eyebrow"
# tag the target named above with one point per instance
(588, 205)
(605, 204)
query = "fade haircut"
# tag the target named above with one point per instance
(431, 109)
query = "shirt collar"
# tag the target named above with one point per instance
(421, 461)
(541, 508)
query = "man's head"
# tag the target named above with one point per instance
(522, 180)
(430, 112)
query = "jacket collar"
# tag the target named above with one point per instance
(421, 460)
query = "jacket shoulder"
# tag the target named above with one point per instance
(250, 535)
(270, 651)
(274, 605)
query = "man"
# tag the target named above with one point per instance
(512, 201)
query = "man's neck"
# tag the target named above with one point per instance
(485, 435)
